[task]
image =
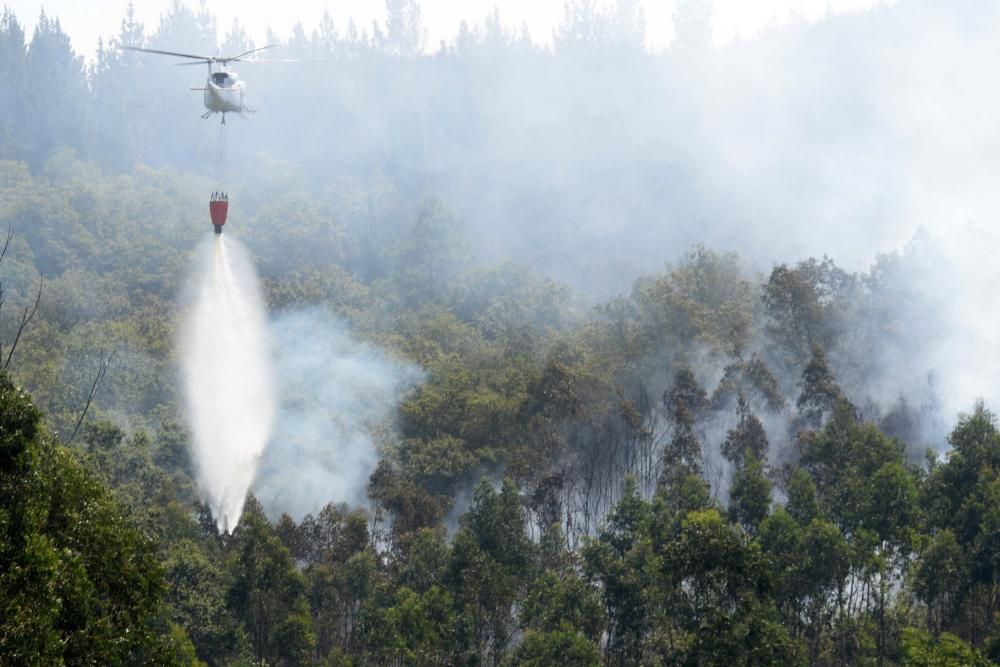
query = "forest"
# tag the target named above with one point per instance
(587, 354)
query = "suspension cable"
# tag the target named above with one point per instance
(221, 163)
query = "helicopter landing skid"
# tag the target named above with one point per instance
(205, 115)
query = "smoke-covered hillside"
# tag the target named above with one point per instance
(582, 354)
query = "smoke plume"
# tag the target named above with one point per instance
(335, 393)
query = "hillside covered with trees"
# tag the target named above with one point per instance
(641, 425)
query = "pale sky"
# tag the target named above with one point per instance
(86, 21)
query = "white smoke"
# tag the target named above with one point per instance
(335, 393)
(228, 387)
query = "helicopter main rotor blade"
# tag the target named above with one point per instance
(172, 53)
(196, 62)
(243, 55)
(283, 60)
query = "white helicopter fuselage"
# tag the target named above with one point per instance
(225, 93)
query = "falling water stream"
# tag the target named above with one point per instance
(227, 378)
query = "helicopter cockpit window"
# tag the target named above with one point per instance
(219, 78)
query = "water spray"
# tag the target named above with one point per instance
(227, 378)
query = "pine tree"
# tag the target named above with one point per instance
(13, 66)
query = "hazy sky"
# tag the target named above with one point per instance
(86, 21)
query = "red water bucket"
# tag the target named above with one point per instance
(218, 208)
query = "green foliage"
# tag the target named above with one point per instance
(562, 599)
(180, 649)
(267, 593)
(820, 393)
(748, 441)
(802, 503)
(685, 403)
(803, 305)
(920, 649)
(197, 596)
(559, 647)
(939, 577)
(857, 470)
(489, 567)
(429, 258)
(409, 506)
(810, 562)
(704, 301)
(622, 560)
(959, 564)
(750, 495)
(415, 629)
(79, 584)
(751, 381)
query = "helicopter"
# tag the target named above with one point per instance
(224, 91)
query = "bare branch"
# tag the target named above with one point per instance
(26, 317)
(3, 253)
(102, 371)
(6, 244)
